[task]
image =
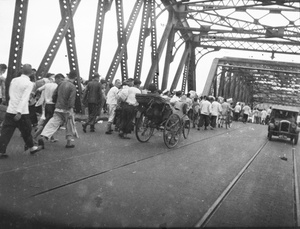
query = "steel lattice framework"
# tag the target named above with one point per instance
(200, 27)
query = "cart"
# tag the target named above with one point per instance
(154, 112)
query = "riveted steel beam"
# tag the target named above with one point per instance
(121, 49)
(102, 8)
(17, 42)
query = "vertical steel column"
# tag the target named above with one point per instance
(144, 32)
(180, 67)
(192, 70)
(185, 74)
(211, 76)
(154, 42)
(59, 35)
(102, 8)
(17, 41)
(168, 59)
(66, 12)
(233, 85)
(222, 82)
(122, 47)
(229, 95)
(121, 37)
(171, 22)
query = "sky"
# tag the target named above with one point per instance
(44, 16)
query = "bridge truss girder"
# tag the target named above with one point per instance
(255, 81)
(202, 26)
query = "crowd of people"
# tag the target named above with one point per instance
(40, 107)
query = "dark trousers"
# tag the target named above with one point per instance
(236, 116)
(245, 118)
(8, 129)
(204, 119)
(93, 110)
(127, 116)
(33, 116)
(213, 121)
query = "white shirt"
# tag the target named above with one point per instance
(123, 93)
(19, 92)
(216, 108)
(237, 108)
(174, 99)
(48, 89)
(131, 100)
(247, 110)
(112, 95)
(205, 107)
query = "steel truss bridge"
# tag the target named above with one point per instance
(200, 27)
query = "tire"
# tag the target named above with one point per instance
(186, 128)
(172, 131)
(143, 128)
(270, 136)
(296, 139)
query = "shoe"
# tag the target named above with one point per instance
(70, 146)
(53, 140)
(3, 156)
(41, 143)
(26, 147)
(84, 128)
(92, 130)
(198, 128)
(37, 149)
(108, 132)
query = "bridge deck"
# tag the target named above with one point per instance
(107, 181)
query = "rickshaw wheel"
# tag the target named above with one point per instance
(143, 128)
(186, 128)
(172, 131)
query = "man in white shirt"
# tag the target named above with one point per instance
(175, 97)
(17, 113)
(205, 110)
(216, 110)
(128, 108)
(237, 110)
(247, 111)
(48, 90)
(112, 102)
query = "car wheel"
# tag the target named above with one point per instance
(296, 139)
(270, 136)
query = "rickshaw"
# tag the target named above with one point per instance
(154, 112)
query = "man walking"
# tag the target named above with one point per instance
(205, 110)
(17, 113)
(93, 96)
(63, 113)
(112, 102)
(48, 89)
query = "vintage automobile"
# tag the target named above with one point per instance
(283, 123)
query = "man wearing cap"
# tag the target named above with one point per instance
(17, 113)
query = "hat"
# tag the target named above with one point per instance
(136, 82)
(152, 87)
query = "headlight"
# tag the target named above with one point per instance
(294, 126)
(272, 126)
(276, 123)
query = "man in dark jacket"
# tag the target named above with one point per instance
(63, 113)
(93, 97)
